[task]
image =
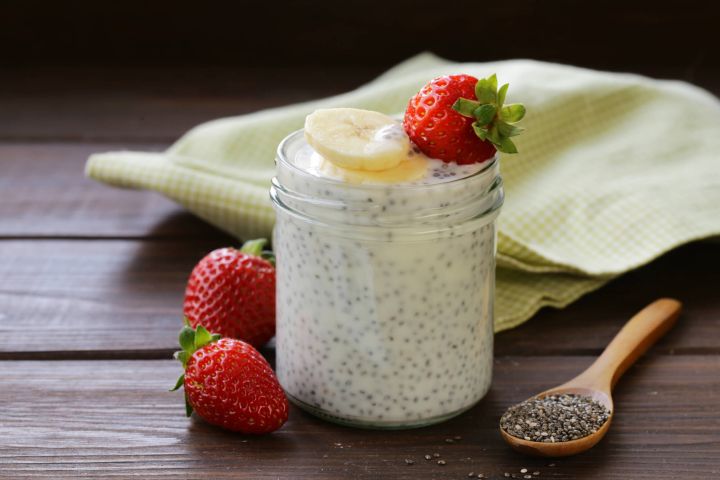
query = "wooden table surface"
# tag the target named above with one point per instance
(91, 284)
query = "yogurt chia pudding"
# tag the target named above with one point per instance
(385, 282)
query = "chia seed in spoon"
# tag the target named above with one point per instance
(555, 418)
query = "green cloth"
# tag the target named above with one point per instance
(614, 170)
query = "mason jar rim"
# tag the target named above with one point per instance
(281, 156)
(475, 197)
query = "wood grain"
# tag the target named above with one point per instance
(585, 327)
(151, 104)
(94, 295)
(45, 194)
(115, 418)
(91, 272)
(79, 297)
(157, 105)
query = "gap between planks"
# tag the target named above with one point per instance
(165, 354)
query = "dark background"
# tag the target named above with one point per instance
(633, 35)
(128, 71)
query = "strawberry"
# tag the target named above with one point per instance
(458, 118)
(232, 292)
(229, 384)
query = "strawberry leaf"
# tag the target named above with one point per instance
(486, 89)
(513, 113)
(179, 383)
(465, 107)
(188, 407)
(187, 338)
(494, 136)
(269, 256)
(507, 146)
(484, 113)
(480, 130)
(183, 356)
(501, 95)
(507, 130)
(254, 247)
(493, 81)
(202, 337)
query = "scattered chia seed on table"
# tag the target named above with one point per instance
(555, 418)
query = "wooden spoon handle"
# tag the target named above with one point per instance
(635, 338)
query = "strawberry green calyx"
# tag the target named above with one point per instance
(191, 340)
(257, 248)
(494, 121)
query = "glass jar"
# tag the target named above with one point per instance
(384, 294)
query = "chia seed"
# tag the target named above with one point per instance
(555, 418)
(408, 285)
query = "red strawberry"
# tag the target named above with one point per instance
(229, 384)
(458, 118)
(232, 292)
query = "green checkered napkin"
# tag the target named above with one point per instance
(614, 170)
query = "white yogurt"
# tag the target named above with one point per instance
(384, 291)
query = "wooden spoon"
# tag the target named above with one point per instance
(597, 382)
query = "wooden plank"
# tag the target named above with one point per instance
(160, 104)
(45, 194)
(76, 298)
(94, 295)
(151, 104)
(688, 274)
(115, 418)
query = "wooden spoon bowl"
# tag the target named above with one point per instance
(597, 382)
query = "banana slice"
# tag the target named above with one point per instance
(357, 139)
(409, 170)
